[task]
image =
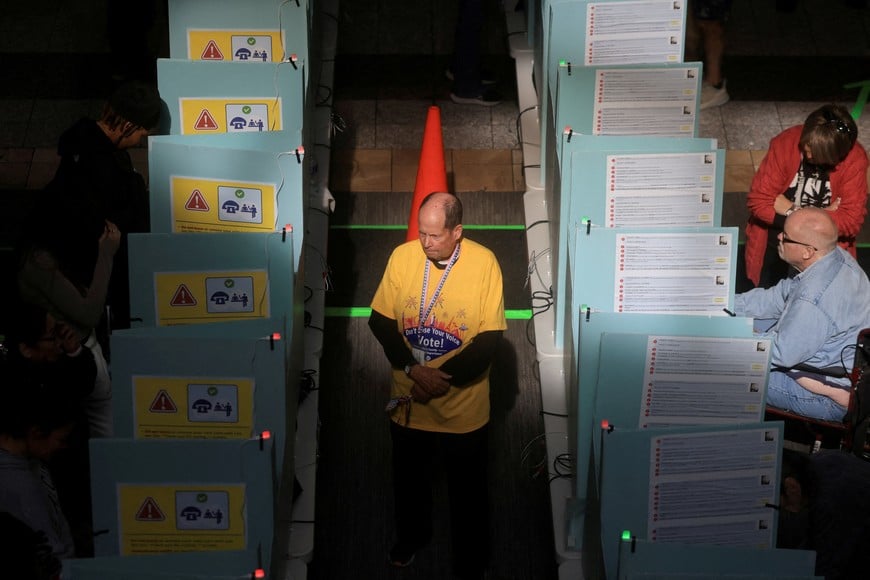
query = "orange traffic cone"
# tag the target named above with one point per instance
(432, 172)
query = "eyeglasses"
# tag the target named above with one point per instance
(787, 240)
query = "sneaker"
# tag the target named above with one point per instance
(486, 77)
(489, 98)
(713, 97)
(400, 558)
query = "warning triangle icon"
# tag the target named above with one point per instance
(182, 297)
(212, 52)
(149, 511)
(196, 202)
(205, 122)
(163, 403)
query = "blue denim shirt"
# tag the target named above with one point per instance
(816, 314)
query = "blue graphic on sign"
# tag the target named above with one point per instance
(198, 510)
(213, 403)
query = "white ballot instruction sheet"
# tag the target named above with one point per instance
(673, 272)
(692, 380)
(645, 101)
(634, 32)
(664, 189)
(714, 488)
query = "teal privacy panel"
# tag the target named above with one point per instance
(616, 32)
(154, 496)
(228, 30)
(250, 182)
(230, 97)
(584, 359)
(209, 278)
(674, 271)
(641, 559)
(205, 381)
(679, 271)
(647, 380)
(691, 485)
(631, 181)
(656, 380)
(603, 33)
(640, 100)
(229, 565)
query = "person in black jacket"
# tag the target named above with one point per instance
(97, 172)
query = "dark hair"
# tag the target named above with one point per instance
(452, 209)
(830, 133)
(135, 102)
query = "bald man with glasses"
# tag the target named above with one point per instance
(812, 318)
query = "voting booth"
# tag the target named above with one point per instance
(582, 33)
(182, 496)
(625, 181)
(659, 387)
(200, 479)
(227, 381)
(250, 182)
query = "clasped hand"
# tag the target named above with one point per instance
(429, 383)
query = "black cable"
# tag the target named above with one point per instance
(530, 336)
(519, 128)
(325, 99)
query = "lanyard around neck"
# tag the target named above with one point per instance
(425, 311)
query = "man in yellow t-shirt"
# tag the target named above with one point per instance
(439, 315)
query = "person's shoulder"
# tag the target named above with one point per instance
(476, 248)
(858, 154)
(406, 251)
(790, 134)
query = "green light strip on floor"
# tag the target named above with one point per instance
(400, 227)
(365, 312)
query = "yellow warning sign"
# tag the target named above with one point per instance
(180, 518)
(210, 205)
(214, 296)
(230, 115)
(235, 45)
(193, 407)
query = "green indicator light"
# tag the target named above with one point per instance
(626, 535)
(584, 219)
(518, 314)
(562, 62)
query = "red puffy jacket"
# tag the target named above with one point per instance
(777, 169)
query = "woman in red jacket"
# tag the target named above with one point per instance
(819, 164)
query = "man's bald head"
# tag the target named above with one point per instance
(815, 227)
(445, 203)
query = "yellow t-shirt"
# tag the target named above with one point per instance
(471, 301)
